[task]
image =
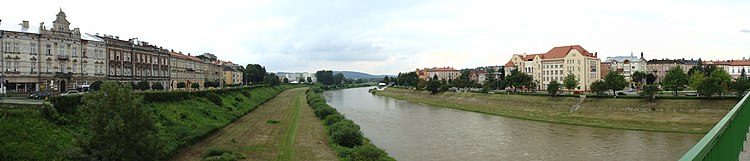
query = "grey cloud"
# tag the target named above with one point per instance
(745, 30)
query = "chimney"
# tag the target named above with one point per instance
(641, 55)
(117, 37)
(25, 24)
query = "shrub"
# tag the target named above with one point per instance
(66, 104)
(221, 155)
(96, 85)
(181, 85)
(367, 152)
(322, 112)
(143, 85)
(346, 133)
(195, 85)
(213, 97)
(332, 119)
(157, 86)
(169, 96)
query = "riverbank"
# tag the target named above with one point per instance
(665, 115)
(182, 118)
(273, 131)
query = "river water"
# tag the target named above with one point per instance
(411, 131)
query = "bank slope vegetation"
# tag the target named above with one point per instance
(62, 130)
(344, 135)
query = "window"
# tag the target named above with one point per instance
(62, 50)
(33, 68)
(83, 70)
(15, 66)
(48, 67)
(75, 52)
(62, 68)
(75, 67)
(16, 47)
(33, 49)
(7, 46)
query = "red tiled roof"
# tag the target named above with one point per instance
(444, 68)
(562, 51)
(740, 63)
(509, 64)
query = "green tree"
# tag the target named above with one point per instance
(385, 80)
(570, 82)
(741, 85)
(338, 78)
(650, 78)
(409, 79)
(518, 79)
(490, 79)
(301, 80)
(709, 86)
(325, 77)
(695, 79)
(639, 78)
(157, 86)
(309, 80)
(433, 86)
(724, 80)
(599, 87)
(195, 85)
(117, 126)
(143, 85)
(286, 80)
(181, 85)
(271, 79)
(96, 85)
(254, 74)
(649, 92)
(615, 82)
(675, 80)
(553, 87)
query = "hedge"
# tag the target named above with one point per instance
(69, 103)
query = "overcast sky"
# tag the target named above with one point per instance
(391, 36)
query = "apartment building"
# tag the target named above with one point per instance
(557, 63)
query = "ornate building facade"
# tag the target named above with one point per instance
(37, 58)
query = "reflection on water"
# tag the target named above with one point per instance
(410, 131)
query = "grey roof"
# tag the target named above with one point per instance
(623, 58)
(89, 37)
(19, 28)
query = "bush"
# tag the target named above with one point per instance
(157, 86)
(332, 119)
(346, 133)
(221, 155)
(66, 104)
(96, 85)
(143, 86)
(322, 112)
(195, 85)
(367, 152)
(169, 96)
(213, 97)
(181, 85)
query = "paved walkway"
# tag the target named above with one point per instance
(745, 154)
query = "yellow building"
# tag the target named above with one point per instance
(555, 64)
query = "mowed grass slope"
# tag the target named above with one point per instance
(635, 114)
(26, 135)
(271, 132)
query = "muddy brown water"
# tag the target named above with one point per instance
(411, 131)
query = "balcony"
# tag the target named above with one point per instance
(190, 69)
(63, 74)
(63, 57)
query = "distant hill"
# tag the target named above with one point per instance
(349, 75)
(359, 75)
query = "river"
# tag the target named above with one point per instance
(411, 131)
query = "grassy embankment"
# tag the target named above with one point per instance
(344, 135)
(270, 132)
(28, 135)
(666, 115)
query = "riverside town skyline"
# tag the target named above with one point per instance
(388, 37)
(435, 80)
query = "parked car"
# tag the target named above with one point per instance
(39, 95)
(691, 94)
(69, 92)
(621, 94)
(577, 92)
